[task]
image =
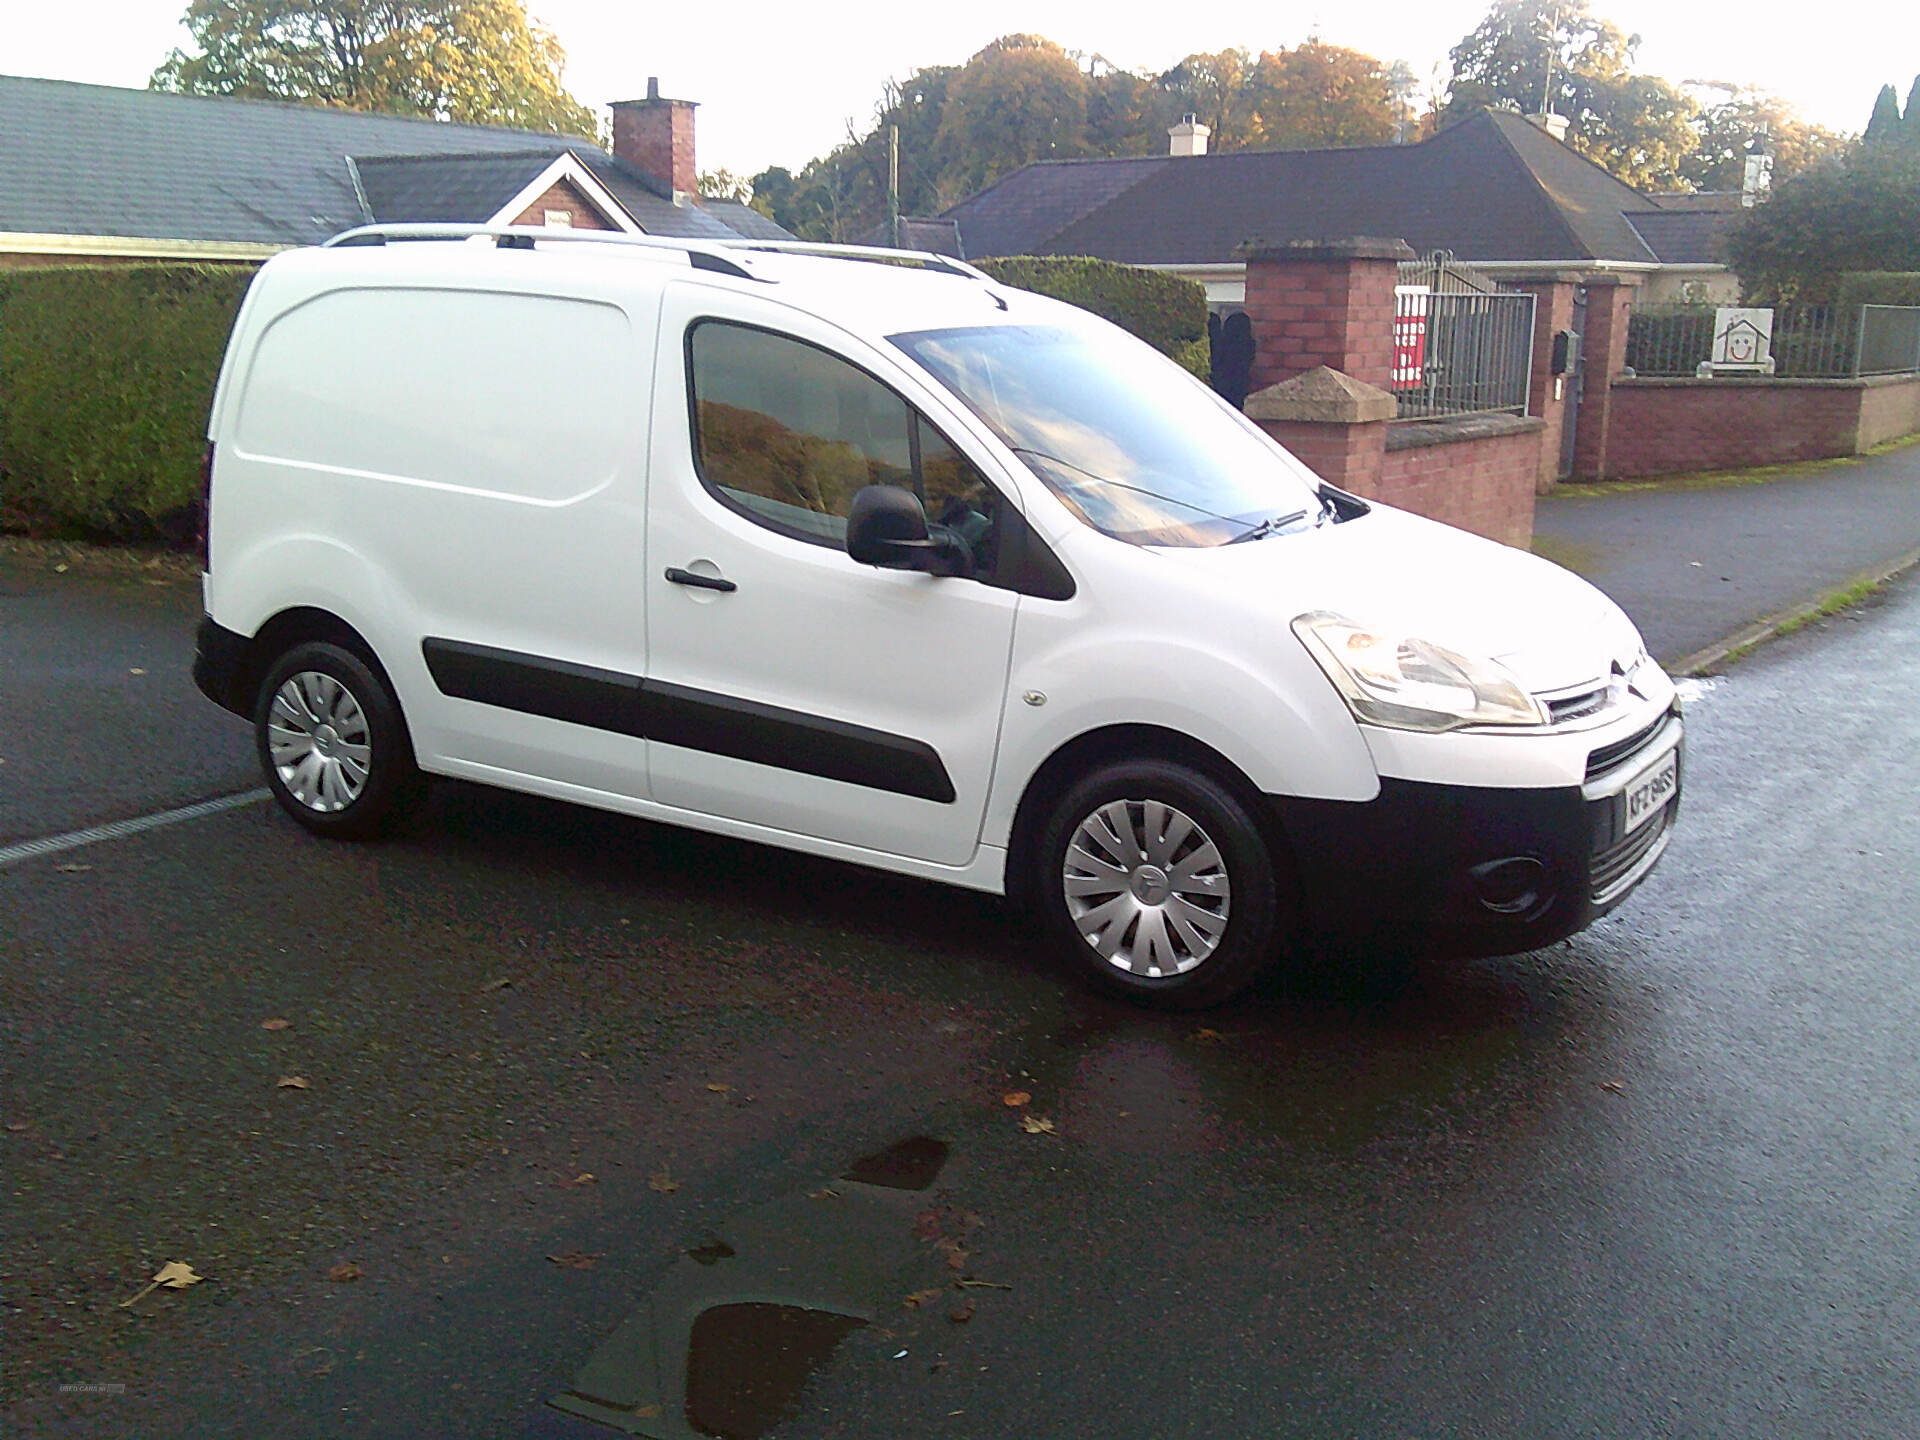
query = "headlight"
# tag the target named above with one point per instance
(1410, 683)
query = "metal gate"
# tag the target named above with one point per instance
(1575, 376)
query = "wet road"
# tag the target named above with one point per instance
(1663, 1179)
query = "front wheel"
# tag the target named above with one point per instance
(332, 742)
(1157, 884)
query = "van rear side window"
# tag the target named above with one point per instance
(514, 395)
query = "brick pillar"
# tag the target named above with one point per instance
(655, 136)
(1322, 302)
(1603, 357)
(1548, 395)
(1335, 425)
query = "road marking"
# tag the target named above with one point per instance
(120, 829)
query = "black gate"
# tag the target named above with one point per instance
(1575, 377)
(1230, 338)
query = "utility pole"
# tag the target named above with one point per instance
(893, 186)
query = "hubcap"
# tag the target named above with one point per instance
(318, 738)
(1146, 887)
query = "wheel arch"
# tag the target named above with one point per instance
(302, 625)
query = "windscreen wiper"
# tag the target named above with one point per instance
(1268, 526)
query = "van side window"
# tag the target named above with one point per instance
(787, 434)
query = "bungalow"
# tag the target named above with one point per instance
(91, 172)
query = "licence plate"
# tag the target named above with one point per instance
(1649, 791)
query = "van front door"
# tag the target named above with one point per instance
(787, 685)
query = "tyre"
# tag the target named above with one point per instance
(1155, 883)
(333, 743)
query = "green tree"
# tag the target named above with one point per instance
(1318, 96)
(723, 184)
(1217, 90)
(1530, 55)
(1020, 99)
(1883, 126)
(475, 61)
(1732, 118)
(1861, 212)
(1910, 118)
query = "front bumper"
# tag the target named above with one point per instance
(1481, 870)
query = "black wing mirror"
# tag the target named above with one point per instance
(887, 526)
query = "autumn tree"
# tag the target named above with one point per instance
(1217, 90)
(1020, 99)
(475, 61)
(1534, 55)
(1318, 96)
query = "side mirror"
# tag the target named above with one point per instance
(887, 526)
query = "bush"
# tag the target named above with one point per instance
(1169, 312)
(106, 378)
(1879, 287)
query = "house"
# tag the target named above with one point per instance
(1500, 191)
(91, 172)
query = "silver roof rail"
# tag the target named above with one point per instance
(702, 254)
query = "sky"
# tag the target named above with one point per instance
(777, 82)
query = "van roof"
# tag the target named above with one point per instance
(874, 290)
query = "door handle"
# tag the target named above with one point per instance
(677, 576)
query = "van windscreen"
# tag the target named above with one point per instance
(1135, 446)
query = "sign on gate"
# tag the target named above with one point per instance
(1742, 342)
(1410, 335)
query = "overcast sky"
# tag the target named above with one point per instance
(778, 81)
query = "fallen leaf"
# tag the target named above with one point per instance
(136, 670)
(499, 982)
(923, 1297)
(1614, 1087)
(962, 1313)
(575, 1259)
(955, 1252)
(275, 1024)
(1036, 1125)
(1016, 1098)
(825, 1193)
(982, 1285)
(292, 1082)
(345, 1273)
(663, 1182)
(585, 1177)
(174, 1275)
(59, 569)
(16, 1126)
(718, 1087)
(73, 869)
(643, 1412)
(1204, 1036)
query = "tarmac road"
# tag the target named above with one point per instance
(1663, 1179)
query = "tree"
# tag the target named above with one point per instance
(1020, 99)
(1316, 96)
(1883, 126)
(1910, 119)
(723, 184)
(475, 61)
(1216, 90)
(1729, 126)
(1534, 55)
(1860, 212)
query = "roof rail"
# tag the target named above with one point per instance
(701, 254)
(926, 259)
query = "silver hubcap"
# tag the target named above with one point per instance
(318, 738)
(1146, 887)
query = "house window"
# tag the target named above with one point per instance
(558, 220)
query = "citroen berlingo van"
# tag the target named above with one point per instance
(864, 554)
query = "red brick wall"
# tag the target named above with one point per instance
(1345, 455)
(1673, 427)
(1603, 356)
(1552, 313)
(562, 195)
(1306, 313)
(1484, 484)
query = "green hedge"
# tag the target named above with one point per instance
(1169, 312)
(106, 377)
(1880, 287)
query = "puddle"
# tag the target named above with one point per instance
(910, 1165)
(726, 1342)
(747, 1364)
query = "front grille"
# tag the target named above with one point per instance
(1610, 756)
(1613, 867)
(1578, 706)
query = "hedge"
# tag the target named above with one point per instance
(1880, 287)
(1169, 312)
(106, 378)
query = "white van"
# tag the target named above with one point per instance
(890, 563)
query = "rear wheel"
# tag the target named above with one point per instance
(333, 743)
(1156, 883)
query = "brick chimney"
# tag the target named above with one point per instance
(655, 136)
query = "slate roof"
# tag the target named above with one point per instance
(1494, 187)
(1689, 229)
(936, 236)
(97, 160)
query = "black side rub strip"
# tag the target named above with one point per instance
(692, 719)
